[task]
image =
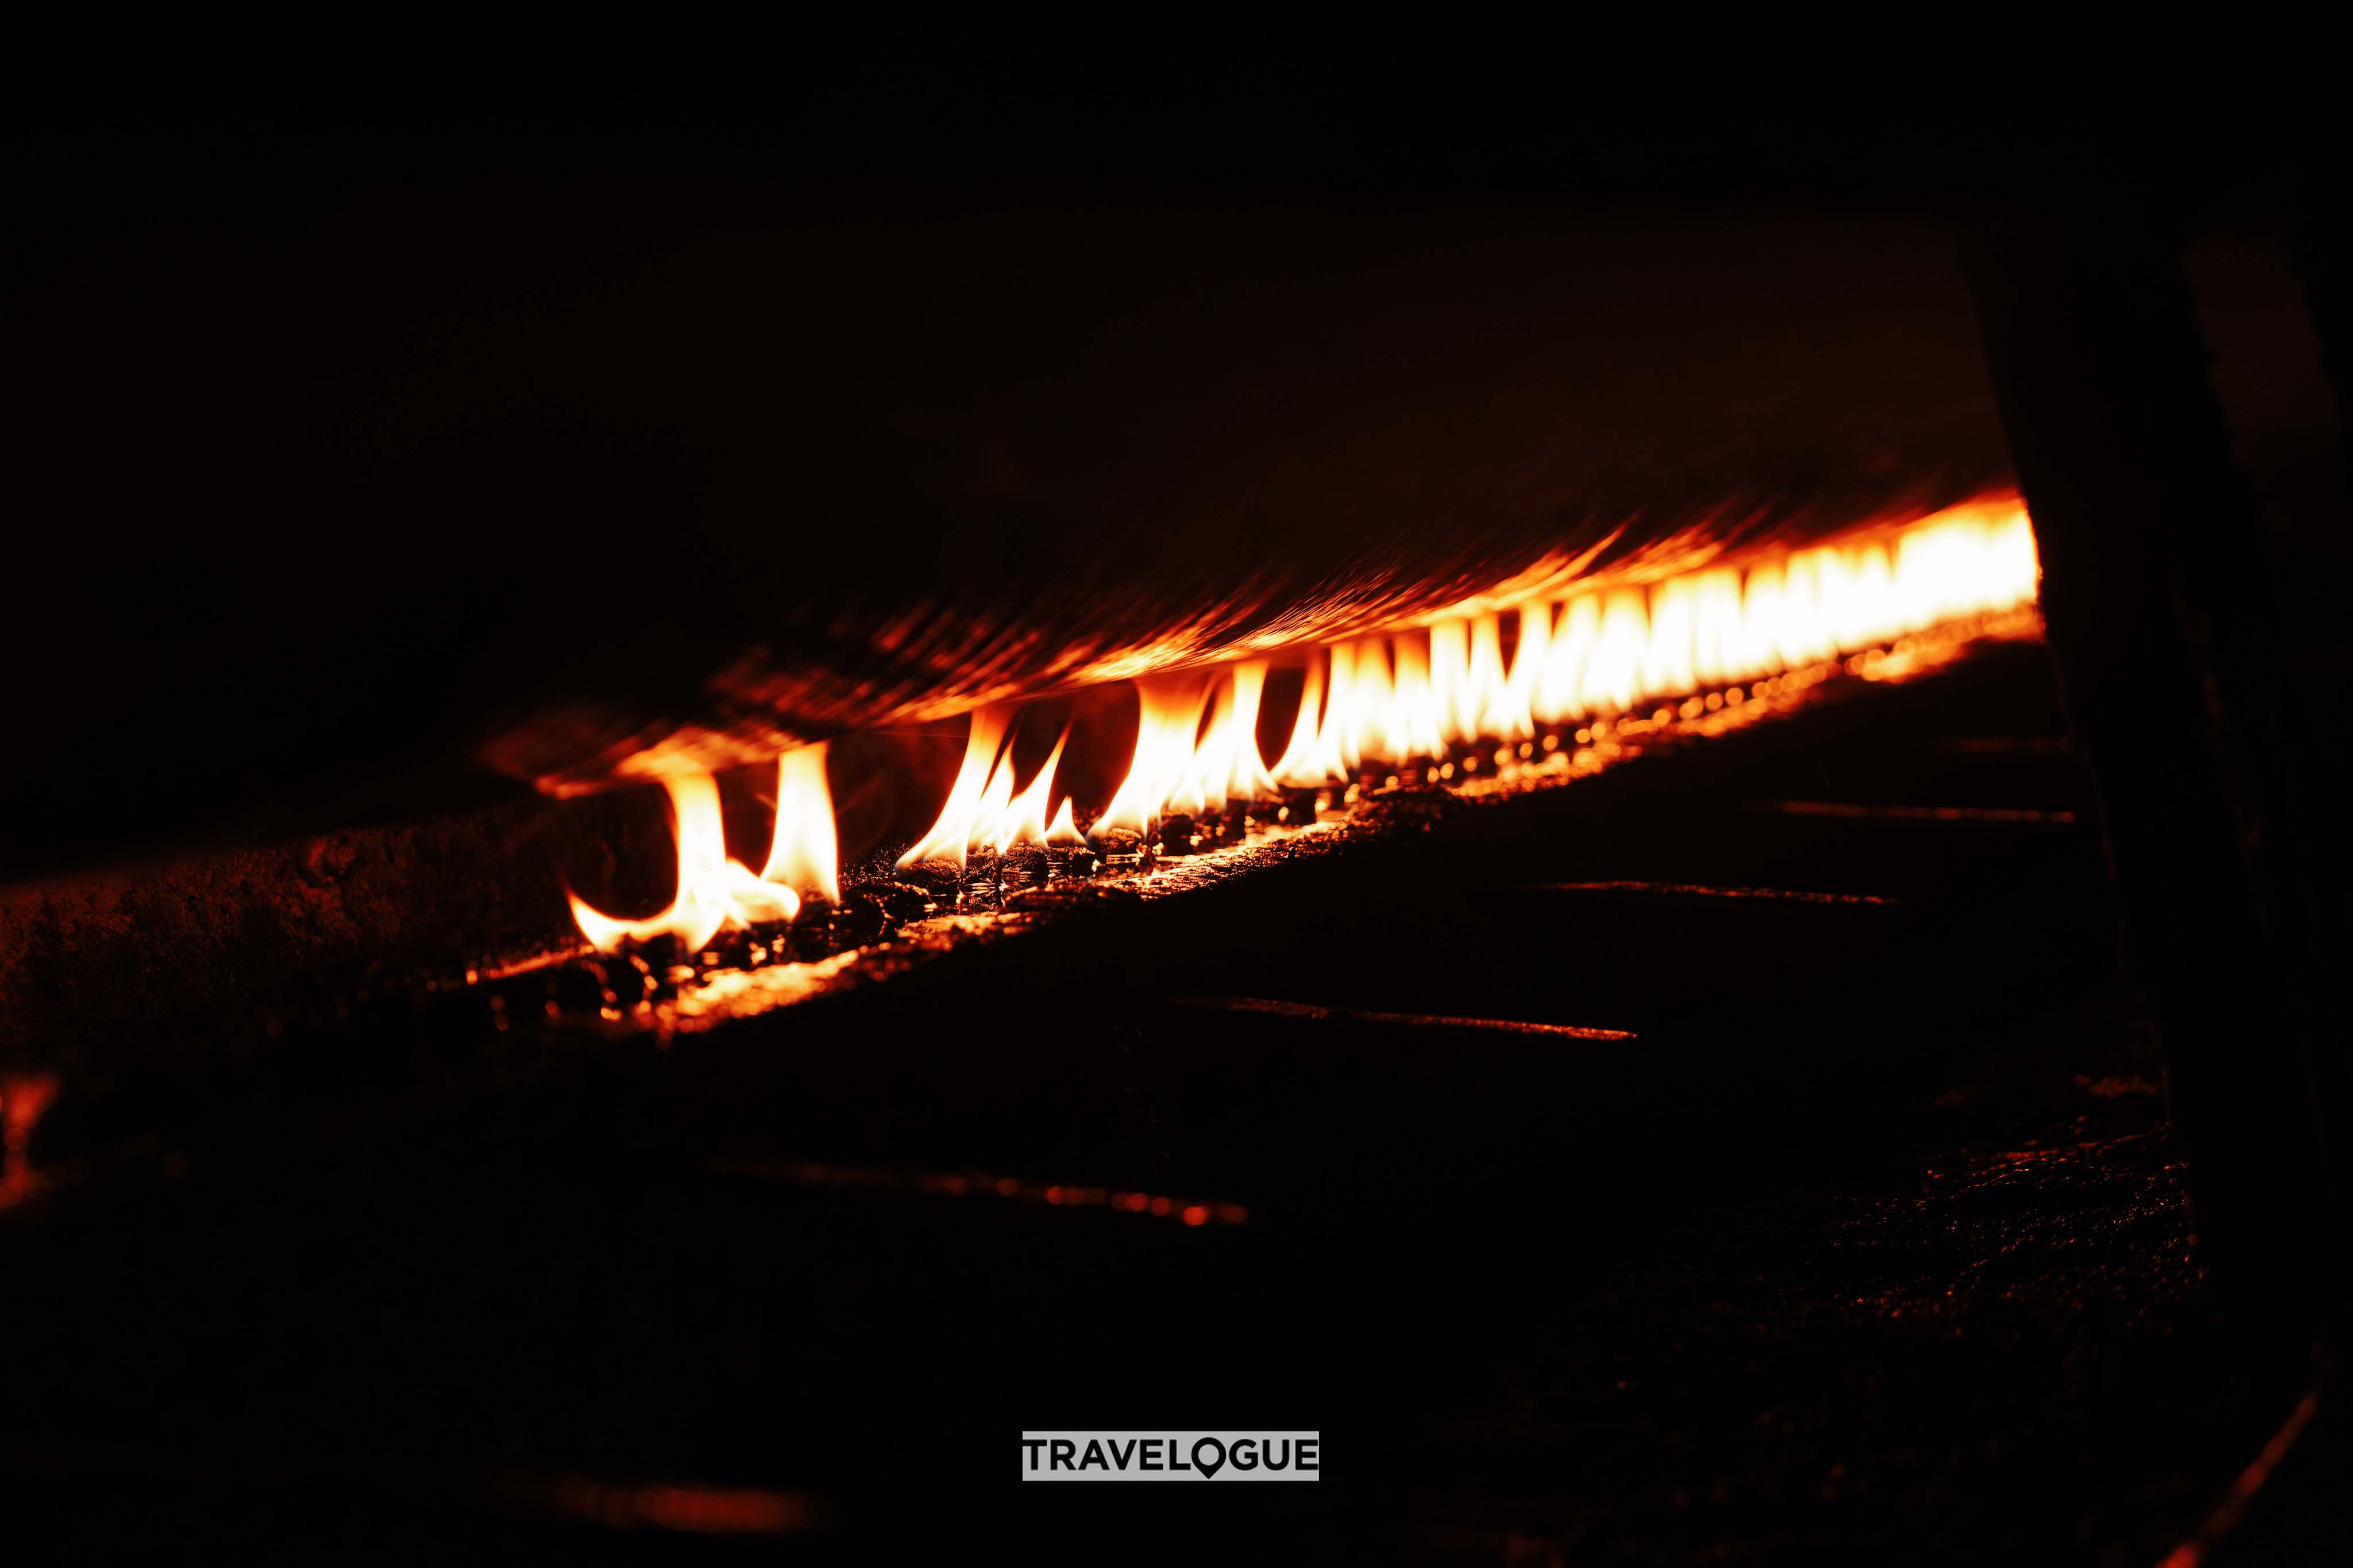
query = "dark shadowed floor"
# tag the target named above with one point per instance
(1870, 1243)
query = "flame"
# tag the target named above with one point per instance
(1416, 725)
(952, 835)
(1227, 764)
(1312, 756)
(1416, 695)
(1476, 694)
(1023, 818)
(1372, 700)
(1163, 774)
(802, 855)
(1392, 699)
(1605, 653)
(712, 891)
(983, 812)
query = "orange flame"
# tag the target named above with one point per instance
(1387, 700)
(1390, 699)
(1227, 764)
(952, 835)
(713, 891)
(1300, 767)
(1022, 819)
(1168, 717)
(983, 812)
(802, 855)
(1173, 771)
(1312, 756)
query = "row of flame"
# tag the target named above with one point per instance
(1384, 700)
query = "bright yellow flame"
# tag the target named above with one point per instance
(1168, 716)
(1385, 700)
(1477, 695)
(952, 835)
(1226, 764)
(1613, 652)
(983, 812)
(1515, 714)
(1712, 627)
(1415, 724)
(1317, 754)
(1023, 819)
(1482, 687)
(802, 855)
(712, 891)
(1064, 830)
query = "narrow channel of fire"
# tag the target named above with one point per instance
(1428, 706)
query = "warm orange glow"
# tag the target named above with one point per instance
(1174, 771)
(713, 891)
(1419, 695)
(802, 854)
(980, 1184)
(703, 1511)
(1551, 673)
(1227, 765)
(1023, 820)
(22, 1099)
(1312, 756)
(1609, 652)
(1168, 716)
(951, 836)
(983, 812)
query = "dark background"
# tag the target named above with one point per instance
(304, 513)
(366, 449)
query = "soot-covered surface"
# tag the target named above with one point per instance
(1872, 1240)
